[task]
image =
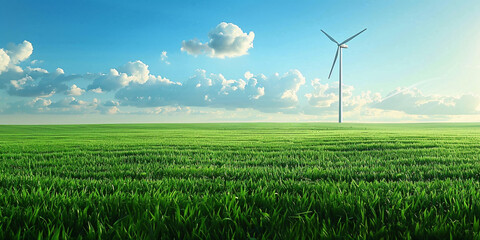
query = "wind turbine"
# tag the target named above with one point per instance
(339, 49)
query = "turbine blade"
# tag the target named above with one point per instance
(352, 37)
(334, 61)
(333, 40)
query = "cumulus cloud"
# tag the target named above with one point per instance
(134, 85)
(113, 110)
(29, 82)
(19, 52)
(322, 95)
(401, 104)
(214, 90)
(37, 82)
(75, 91)
(96, 90)
(11, 56)
(4, 60)
(132, 72)
(107, 107)
(413, 101)
(247, 75)
(66, 103)
(325, 96)
(276, 93)
(37, 105)
(195, 47)
(226, 40)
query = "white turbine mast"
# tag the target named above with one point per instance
(339, 50)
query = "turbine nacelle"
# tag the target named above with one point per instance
(344, 46)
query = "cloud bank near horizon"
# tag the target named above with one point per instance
(133, 89)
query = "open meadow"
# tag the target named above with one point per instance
(240, 181)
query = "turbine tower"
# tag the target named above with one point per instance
(339, 50)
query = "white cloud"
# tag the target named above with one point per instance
(97, 90)
(325, 96)
(19, 52)
(36, 82)
(276, 93)
(323, 101)
(132, 72)
(164, 57)
(29, 82)
(137, 71)
(18, 84)
(247, 75)
(195, 47)
(113, 110)
(68, 105)
(36, 61)
(4, 60)
(42, 105)
(75, 91)
(413, 101)
(110, 103)
(226, 40)
(170, 110)
(402, 104)
(11, 56)
(321, 95)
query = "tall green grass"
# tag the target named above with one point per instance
(240, 181)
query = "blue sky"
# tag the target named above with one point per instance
(418, 61)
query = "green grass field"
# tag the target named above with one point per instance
(240, 181)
